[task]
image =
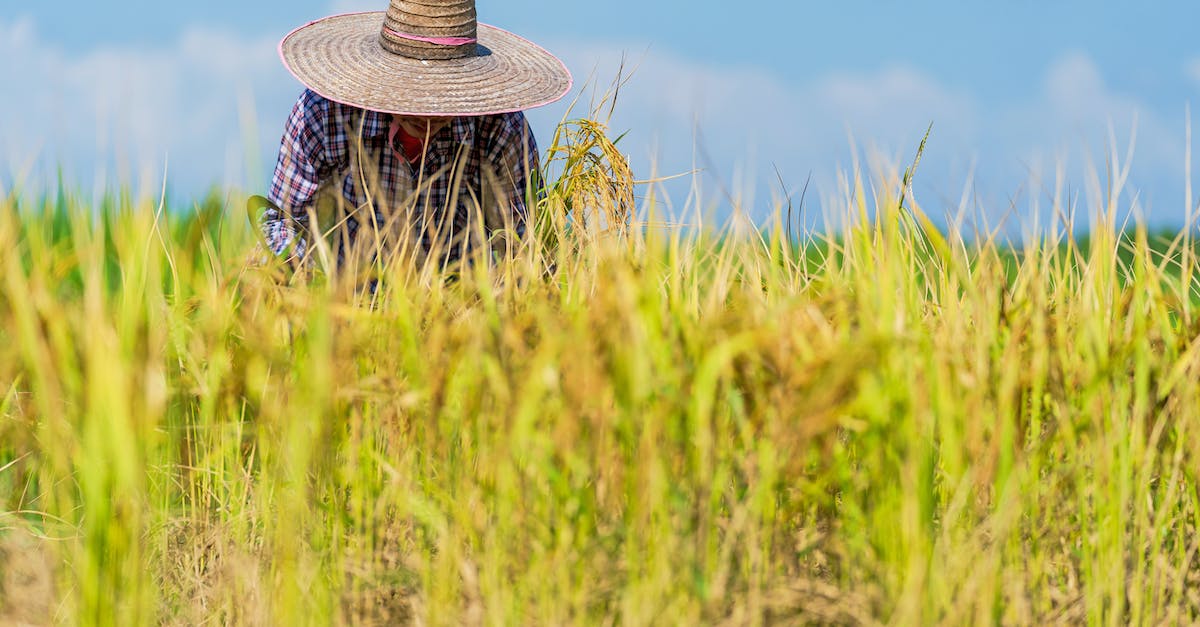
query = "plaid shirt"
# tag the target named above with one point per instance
(328, 143)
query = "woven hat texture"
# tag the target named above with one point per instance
(423, 57)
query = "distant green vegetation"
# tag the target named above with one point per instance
(613, 425)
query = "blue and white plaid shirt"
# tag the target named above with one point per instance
(438, 198)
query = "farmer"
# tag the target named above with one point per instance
(410, 127)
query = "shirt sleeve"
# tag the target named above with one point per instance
(512, 153)
(298, 173)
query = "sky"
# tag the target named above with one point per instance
(1020, 94)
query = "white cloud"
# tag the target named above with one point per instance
(1079, 121)
(747, 111)
(752, 120)
(1076, 93)
(1193, 70)
(880, 98)
(182, 99)
(133, 107)
(756, 104)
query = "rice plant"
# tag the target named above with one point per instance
(887, 424)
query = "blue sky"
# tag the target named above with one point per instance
(1015, 89)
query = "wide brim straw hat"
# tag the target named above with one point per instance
(423, 58)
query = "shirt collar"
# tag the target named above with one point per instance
(460, 131)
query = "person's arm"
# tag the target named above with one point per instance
(298, 173)
(511, 163)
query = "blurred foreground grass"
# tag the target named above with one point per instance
(892, 426)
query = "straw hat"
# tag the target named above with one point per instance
(423, 57)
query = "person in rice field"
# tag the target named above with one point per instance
(409, 135)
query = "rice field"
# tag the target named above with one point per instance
(619, 423)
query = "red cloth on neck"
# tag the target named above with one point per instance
(413, 147)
